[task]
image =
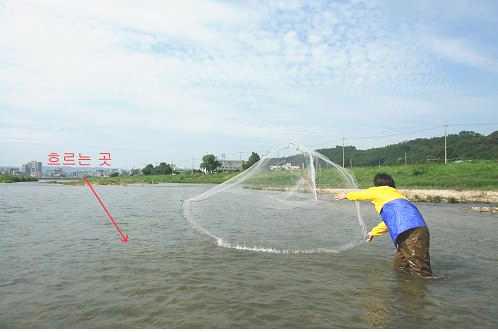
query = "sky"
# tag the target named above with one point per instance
(153, 81)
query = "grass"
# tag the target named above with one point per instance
(15, 178)
(481, 175)
(155, 179)
(276, 178)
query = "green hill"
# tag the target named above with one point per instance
(467, 145)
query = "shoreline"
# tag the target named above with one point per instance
(451, 195)
(428, 195)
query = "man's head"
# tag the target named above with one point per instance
(383, 179)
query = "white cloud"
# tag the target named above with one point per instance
(459, 51)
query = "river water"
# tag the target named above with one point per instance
(62, 266)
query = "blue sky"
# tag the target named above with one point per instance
(155, 81)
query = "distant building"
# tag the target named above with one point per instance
(57, 172)
(33, 169)
(113, 170)
(10, 171)
(14, 171)
(106, 171)
(287, 166)
(79, 173)
(230, 165)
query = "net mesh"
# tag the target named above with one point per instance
(285, 203)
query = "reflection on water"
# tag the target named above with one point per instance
(62, 265)
(400, 301)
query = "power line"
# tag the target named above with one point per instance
(379, 136)
(372, 137)
(482, 124)
(413, 131)
(343, 152)
(445, 144)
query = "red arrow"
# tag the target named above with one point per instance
(124, 237)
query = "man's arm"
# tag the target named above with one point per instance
(362, 195)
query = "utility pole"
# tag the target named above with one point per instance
(445, 144)
(405, 159)
(192, 165)
(343, 152)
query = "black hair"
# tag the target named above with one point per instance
(383, 179)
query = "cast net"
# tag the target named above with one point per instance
(285, 203)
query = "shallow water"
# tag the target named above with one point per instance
(62, 266)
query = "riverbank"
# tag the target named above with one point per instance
(466, 182)
(451, 196)
(469, 175)
(432, 195)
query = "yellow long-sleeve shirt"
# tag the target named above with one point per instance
(378, 196)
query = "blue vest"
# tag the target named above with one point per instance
(400, 215)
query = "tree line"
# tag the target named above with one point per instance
(161, 169)
(209, 163)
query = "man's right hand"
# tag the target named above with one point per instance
(369, 237)
(340, 196)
